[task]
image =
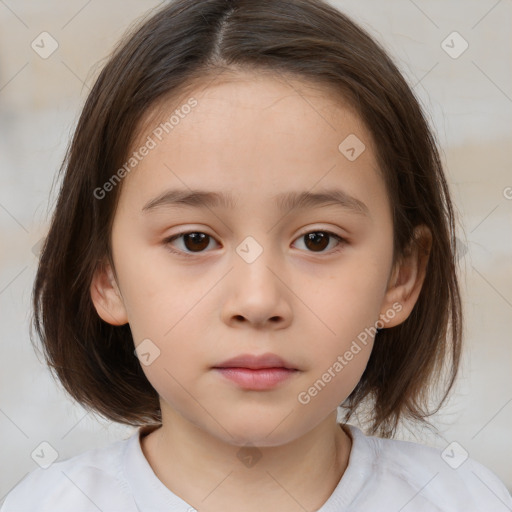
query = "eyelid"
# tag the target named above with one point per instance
(309, 229)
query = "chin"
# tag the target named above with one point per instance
(257, 433)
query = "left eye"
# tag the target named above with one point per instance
(196, 241)
(318, 240)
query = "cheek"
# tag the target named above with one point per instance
(159, 295)
(348, 304)
(177, 353)
(351, 299)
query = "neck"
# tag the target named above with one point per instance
(213, 475)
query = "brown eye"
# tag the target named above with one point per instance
(193, 242)
(317, 241)
(196, 241)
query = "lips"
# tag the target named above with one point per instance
(256, 362)
(256, 372)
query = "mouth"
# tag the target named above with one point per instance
(256, 362)
(256, 372)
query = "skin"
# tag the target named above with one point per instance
(254, 135)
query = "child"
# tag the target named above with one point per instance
(281, 139)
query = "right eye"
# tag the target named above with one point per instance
(195, 241)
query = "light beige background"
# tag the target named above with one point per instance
(469, 100)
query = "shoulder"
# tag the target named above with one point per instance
(92, 480)
(431, 478)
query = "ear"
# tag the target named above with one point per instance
(407, 278)
(106, 296)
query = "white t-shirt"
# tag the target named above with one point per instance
(383, 475)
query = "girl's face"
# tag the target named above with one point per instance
(250, 281)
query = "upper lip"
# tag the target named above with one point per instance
(256, 362)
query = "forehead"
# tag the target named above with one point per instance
(251, 88)
(253, 134)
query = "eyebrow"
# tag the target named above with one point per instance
(284, 201)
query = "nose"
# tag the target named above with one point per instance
(258, 295)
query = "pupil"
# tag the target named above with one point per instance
(315, 238)
(199, 239)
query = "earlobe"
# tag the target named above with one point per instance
(106, 296)
(407, 278)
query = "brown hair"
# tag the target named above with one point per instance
(182, 43)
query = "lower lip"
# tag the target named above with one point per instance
(264, 378)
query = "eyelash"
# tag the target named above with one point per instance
(341, 241)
